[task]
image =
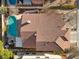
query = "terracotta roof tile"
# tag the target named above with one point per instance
(47, 28)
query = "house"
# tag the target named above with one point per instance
(44, 32)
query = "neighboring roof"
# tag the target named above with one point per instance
(38, 2)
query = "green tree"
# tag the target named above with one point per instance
(5, 53)
(3, 10)
(1, 48)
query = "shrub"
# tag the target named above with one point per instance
(5, 53)
(64, 7)
(68, 6)
(3, 10)
(57, 52)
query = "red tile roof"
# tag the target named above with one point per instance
(38, 2)
(47, 28)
